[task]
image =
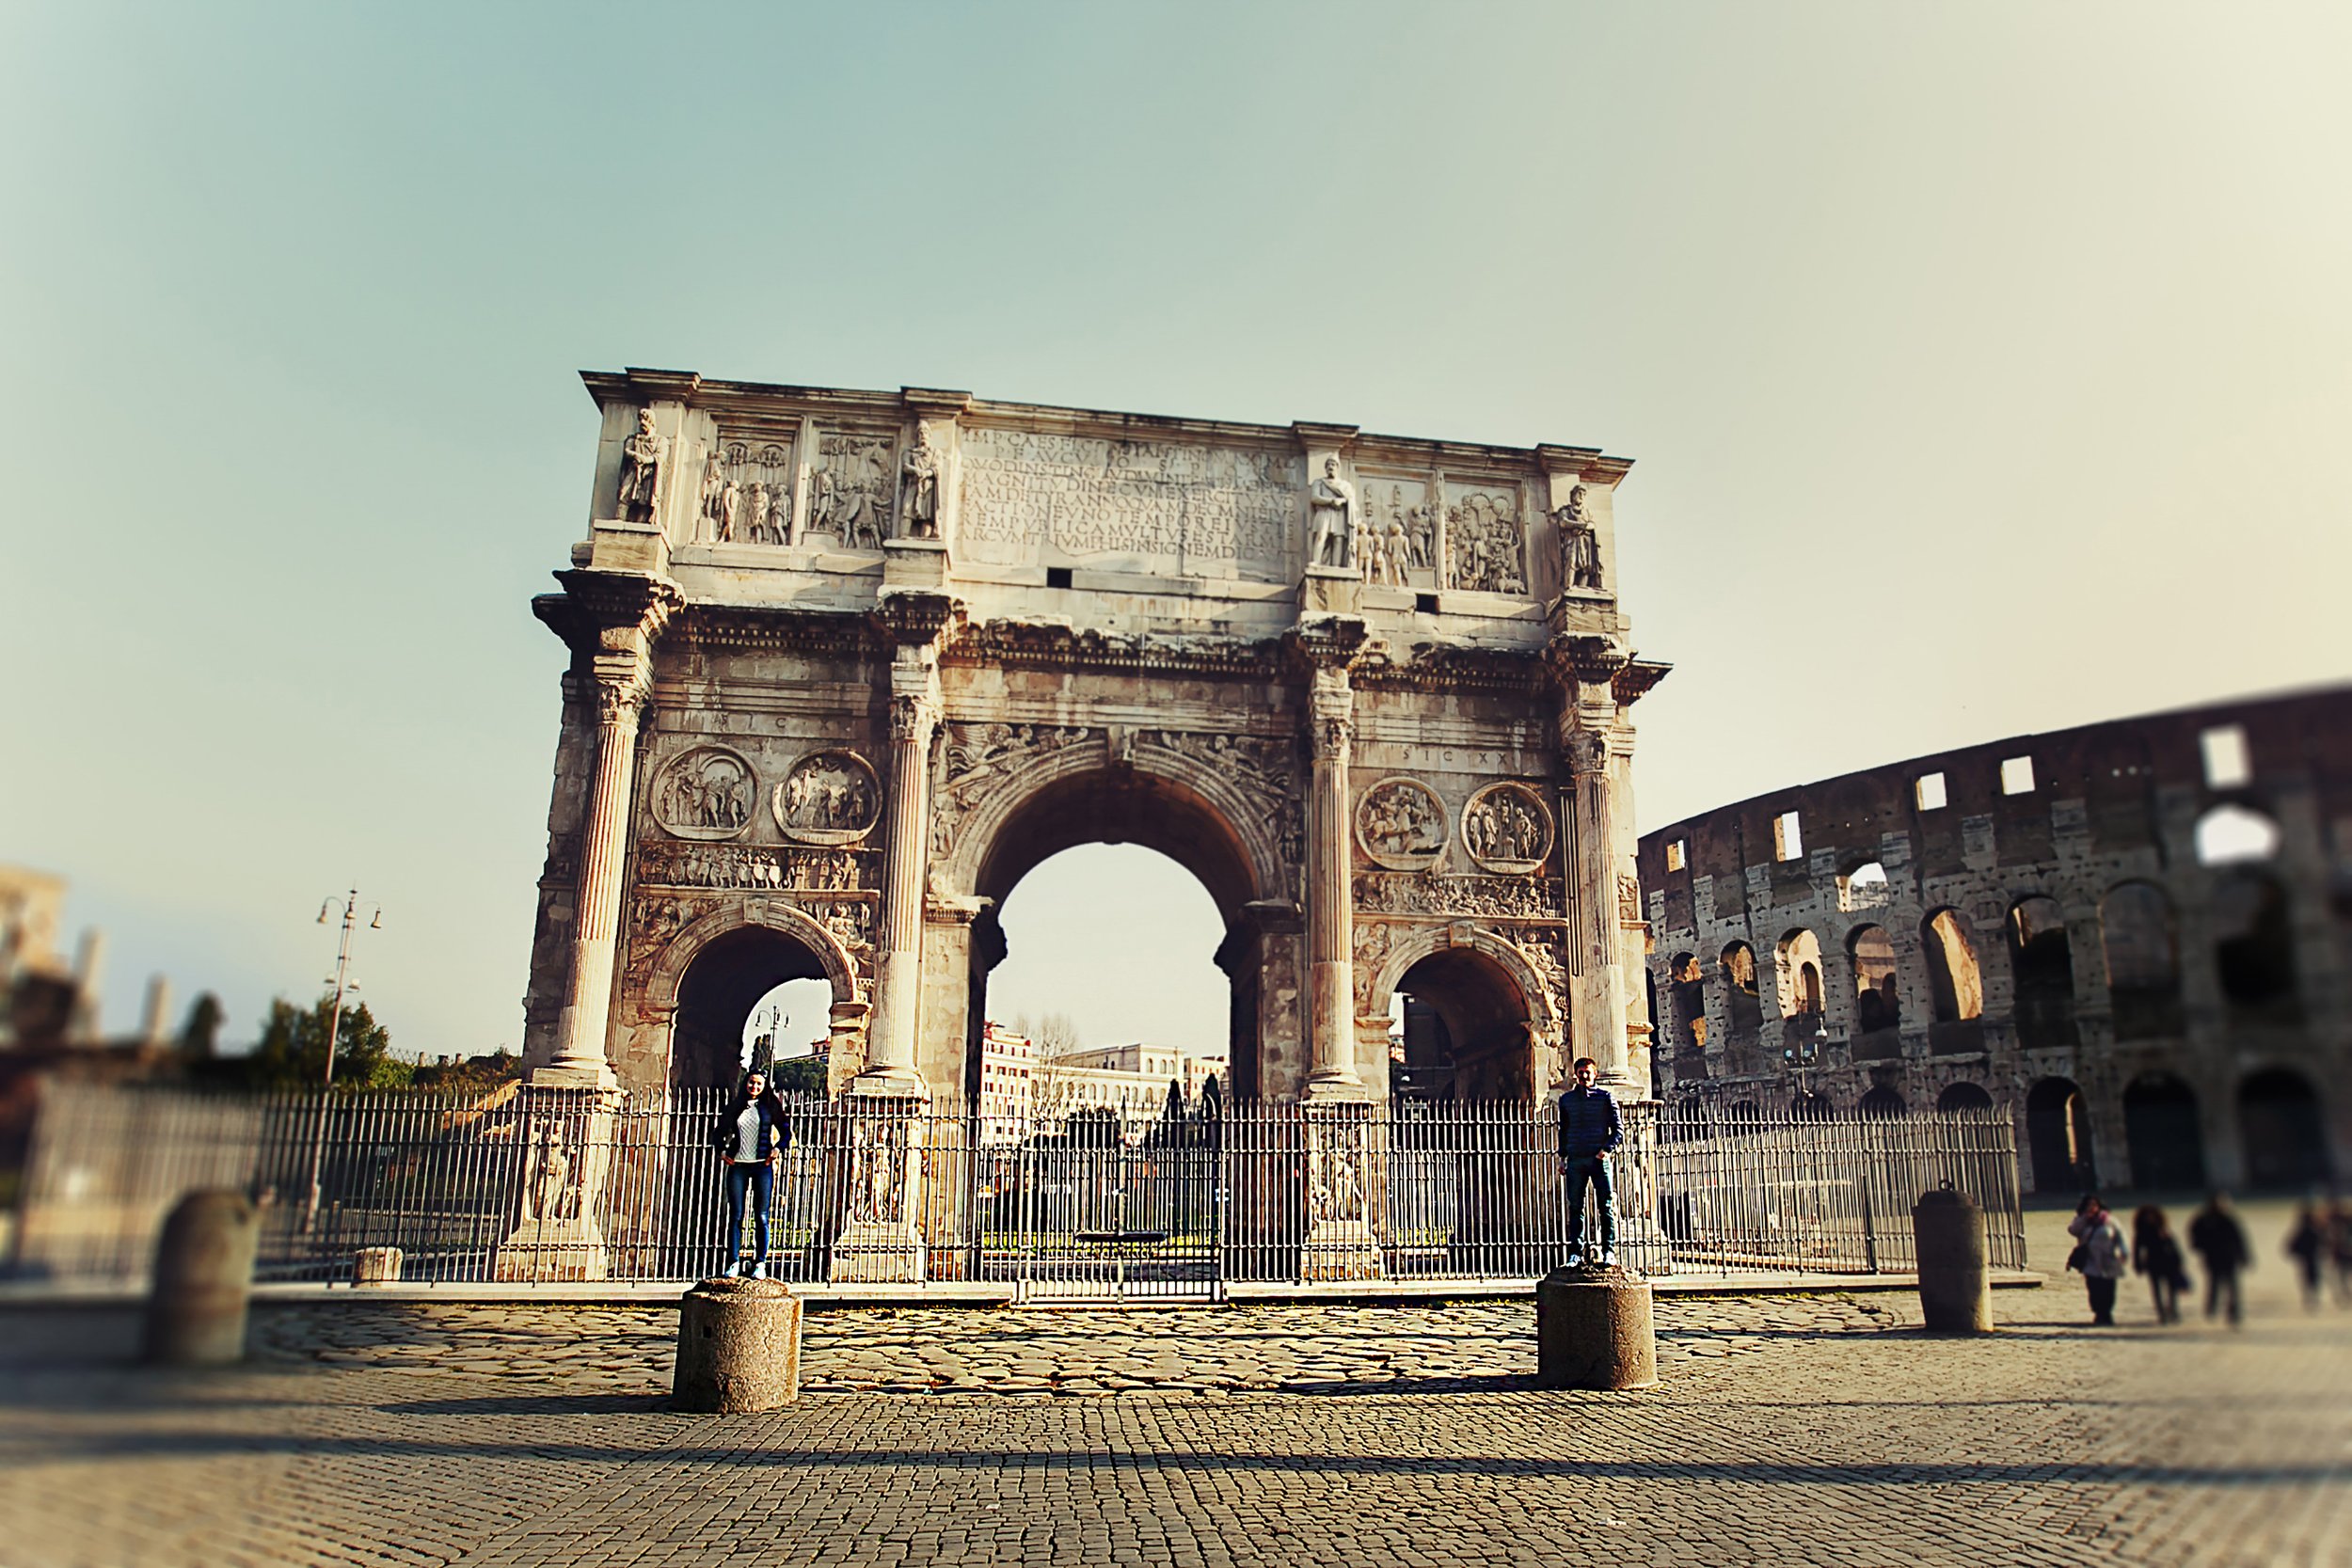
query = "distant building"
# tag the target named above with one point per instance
(2136, 937)
(1018, 1084)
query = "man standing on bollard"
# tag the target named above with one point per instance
(1589, 1134)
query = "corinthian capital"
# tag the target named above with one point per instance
(1586, 751)
(622, 687)
(912, 717)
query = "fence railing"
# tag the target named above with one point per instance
(535, 1185)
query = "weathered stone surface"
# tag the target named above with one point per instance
(738, 1347)
(791, 749)
(1594, 1330)
(1955, 1286)
(196, 1310)
(2135, 953)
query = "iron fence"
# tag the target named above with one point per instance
(531, 1185)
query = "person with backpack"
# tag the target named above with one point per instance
(2101, 1254)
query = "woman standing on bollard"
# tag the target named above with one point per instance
(2156, 1254)
(2101, 1254)
(750, 1136)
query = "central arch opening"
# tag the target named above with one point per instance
(1466, 1032)
(735, 976)
(1118, 926)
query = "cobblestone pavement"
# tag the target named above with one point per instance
(1071, 1353)
(1819, 1430)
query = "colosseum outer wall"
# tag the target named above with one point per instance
(2135, 936)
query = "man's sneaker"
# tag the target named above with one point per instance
(737, 1269)
(759, 1270)
(1576, 1259)
(1606, 1258)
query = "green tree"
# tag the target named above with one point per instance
(293, 1051)
(472, 1075)
(804, 1075)
(199, 1036)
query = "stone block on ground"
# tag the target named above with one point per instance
(195, 1309)
(738, 1347)
(1955, 1286)
(1594, 1329)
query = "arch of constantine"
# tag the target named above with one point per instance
(846, 665)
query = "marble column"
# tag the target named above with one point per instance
(898, 965)
(580, 1028)
(1597, 979)
(1331, 895)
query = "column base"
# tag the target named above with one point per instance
(574, 1075)
(889, 1084)
(877, 1252)
(554, 1252)
(1337, 1250)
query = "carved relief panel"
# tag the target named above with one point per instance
(1486, 541)
(828, 797)
(746, 495)
(978, 759)
(1398, 542)
(704, 793)
(1400, 824)
(850, 483)
(1506, 828)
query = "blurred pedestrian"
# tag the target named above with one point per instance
(2156, 1255)
(2218, 1239)
(2313, 1249)
(2340, 1240)
(2100, 1253)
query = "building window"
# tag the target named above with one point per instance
(1788, 837)
(1928, 791)
(2227, 763)
(1674, 855)
(2017, 776)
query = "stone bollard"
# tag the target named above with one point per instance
(203, 1275)
(376, 1265)
(738, 1347)
(1594, 1330)
(1955, 1290)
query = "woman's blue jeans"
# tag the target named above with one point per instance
(758, 1179)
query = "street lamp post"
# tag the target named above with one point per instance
(334, 1030)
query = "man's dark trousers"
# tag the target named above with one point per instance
(1591, 1170)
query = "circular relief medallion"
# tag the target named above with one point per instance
(828, 797)
(1400, 824)
(704, 793)
(1506, 829)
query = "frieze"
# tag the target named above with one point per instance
(1423, 893)
(1400, 824)
(1506, 829)
(705, 792)
(1198, 505)
(744, 866)
(829, 797)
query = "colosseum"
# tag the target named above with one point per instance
(2136, 935)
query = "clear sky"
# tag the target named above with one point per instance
(1987, 368)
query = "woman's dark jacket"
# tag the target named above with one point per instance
(775, 1131)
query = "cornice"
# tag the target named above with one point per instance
(1448, 667)
(1054, 645)
(1636, 680)
(636, 386)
